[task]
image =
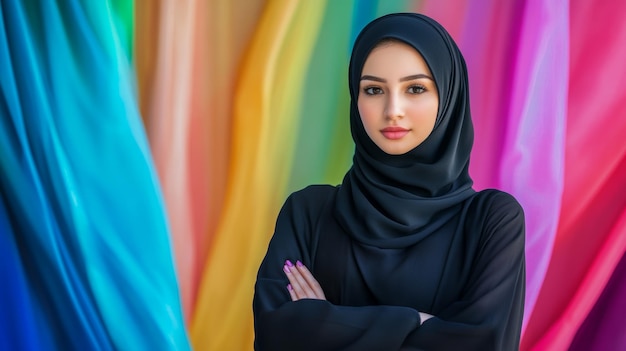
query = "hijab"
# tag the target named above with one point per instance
(393, 201)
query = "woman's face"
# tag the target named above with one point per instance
(398, 99)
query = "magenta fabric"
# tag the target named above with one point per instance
(519, 85)
(590, 235)
(603, 328)
(533, 149)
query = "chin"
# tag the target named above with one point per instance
(395, 151)
(395, 147)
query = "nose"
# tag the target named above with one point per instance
(394, 109)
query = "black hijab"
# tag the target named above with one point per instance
(393, 201)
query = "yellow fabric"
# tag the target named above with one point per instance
(266, 101)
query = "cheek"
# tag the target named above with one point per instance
(426, 111)
(367, 111)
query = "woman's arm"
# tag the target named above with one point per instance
(488, 316)
(302, 285)
(315, 324)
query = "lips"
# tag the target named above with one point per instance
(394, 133)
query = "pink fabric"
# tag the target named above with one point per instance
(519, 85)
(532, 165)
(594, 195)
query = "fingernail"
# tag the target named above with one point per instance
(289, 287)
(286, 269)
(288, 263)
(299, 264)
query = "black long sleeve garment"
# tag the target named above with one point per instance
(469, 274)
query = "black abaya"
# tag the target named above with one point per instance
(469, 274)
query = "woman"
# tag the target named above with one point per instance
(404, 255)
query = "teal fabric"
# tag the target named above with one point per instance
(86, 217)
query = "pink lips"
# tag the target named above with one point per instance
(394, 133)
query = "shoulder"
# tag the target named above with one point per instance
(497, 213)
(310, 200)
(302, 211)
(314, 194)
(492, 202)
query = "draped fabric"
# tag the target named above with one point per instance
(89, 257)
(146, 147)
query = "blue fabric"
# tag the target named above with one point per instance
(79, 185)
(19, 329)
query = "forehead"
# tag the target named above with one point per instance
(395, 57)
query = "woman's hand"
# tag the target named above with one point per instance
(302, 284)
(425, 316)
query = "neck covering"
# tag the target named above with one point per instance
(393, 201)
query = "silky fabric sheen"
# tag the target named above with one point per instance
(393, 201)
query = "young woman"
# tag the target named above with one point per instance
(404, 254)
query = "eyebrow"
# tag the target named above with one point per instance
(403, 79)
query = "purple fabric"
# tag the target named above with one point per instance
(603, 329)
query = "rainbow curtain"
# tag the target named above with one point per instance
(147, 146)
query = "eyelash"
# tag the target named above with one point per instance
(420, 88)
(413, 89)
(370, 90)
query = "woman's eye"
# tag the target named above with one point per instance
(372, 90)
(416, 89)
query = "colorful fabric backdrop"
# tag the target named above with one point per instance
(147, 146)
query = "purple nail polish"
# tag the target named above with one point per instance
(289, 287)
(286, 269)
(299, 264)
(288, 263)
